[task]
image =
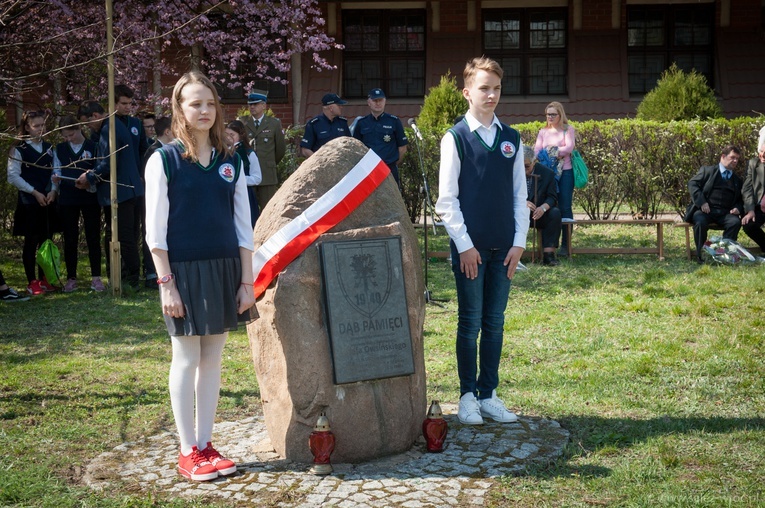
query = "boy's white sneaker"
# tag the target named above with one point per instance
(495, 409)
(470, 411)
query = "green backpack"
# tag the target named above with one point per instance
(49, 259)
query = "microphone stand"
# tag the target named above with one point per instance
(427, 204)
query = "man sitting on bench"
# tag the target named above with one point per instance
(716, 199)
(754, 198)
(543, 204)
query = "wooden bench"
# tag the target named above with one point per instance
(690, 243)
(658, 249)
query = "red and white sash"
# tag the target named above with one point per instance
(329, 210)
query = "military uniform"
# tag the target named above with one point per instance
(267, 139)
(384, 135)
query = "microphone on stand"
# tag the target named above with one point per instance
(415, 129)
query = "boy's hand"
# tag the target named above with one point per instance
(512, 259)
(469, 261)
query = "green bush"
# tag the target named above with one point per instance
(645, 166)
(679, 96)
(292, 158)
(442, 105)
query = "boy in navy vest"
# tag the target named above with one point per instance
(482, 200)
(124, 97)
(129, 191)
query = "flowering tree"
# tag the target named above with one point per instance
(63, 42)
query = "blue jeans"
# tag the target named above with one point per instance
(566, 200)
(481, 303)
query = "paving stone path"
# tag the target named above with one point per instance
(462, 475)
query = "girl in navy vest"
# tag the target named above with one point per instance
(30, 163)
(200, 235)
(70, 159)
(236, 136)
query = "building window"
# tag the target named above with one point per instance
(384, 49)
(657, 36)
(530, 45)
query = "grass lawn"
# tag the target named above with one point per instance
(656, 369)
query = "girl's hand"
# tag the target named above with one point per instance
(245, 297)
(40, 198)
(171, 300)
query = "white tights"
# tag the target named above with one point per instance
(195, 369)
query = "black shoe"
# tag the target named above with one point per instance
(548, 258)
(10, 295)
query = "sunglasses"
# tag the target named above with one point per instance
(552, 115)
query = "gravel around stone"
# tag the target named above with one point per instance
(462, 475)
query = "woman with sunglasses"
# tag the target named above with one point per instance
(559, 136)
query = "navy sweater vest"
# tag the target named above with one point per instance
(73, 165)
(486, 185)
(37, 177)
(200, 224)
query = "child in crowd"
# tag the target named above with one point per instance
(30, 164)
(482, 200)
(236, 136)
(200, 235)
(71, 157)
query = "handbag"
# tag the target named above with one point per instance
(581, 172)
(49, 259)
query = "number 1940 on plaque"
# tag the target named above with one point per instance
(365, 303)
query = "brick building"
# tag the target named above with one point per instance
(597, 57)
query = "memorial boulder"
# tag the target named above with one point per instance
(292, 341)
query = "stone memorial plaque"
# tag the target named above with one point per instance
(366, 309)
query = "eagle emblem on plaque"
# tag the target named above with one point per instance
(364, 275)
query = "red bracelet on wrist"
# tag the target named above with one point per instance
(165, 278)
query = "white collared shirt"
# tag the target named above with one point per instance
(448, 205)
(14, 167)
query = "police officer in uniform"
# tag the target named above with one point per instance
(325, 127)
(382, 132)
(267, 139)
